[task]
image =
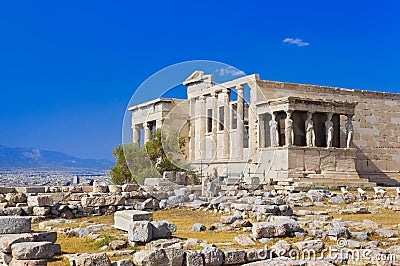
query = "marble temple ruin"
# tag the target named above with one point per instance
(262, 131)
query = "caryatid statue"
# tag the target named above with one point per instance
(329, 130)
(289, 136)
(349, 130)
(310, 134)
(273, 131)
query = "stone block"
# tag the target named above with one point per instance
(16, 197)
(93, 201)
(254, 254)
(114, 200)
(32, 250)
(315, 245)
(130, 187)
(162, 229)
(14, 225)
(7, 240)
(244, 240)
(13, 211)
(234, 256)
(41, 211)
(174, 256)
(30, 190)
(311, 160)
(212, 255)
(85, 259)
(151, 257)
(193, 258)
(140, 231)
(5, 190)
(125, 262)
(114, 188)
(122, 219)
(100, 188)
(40, 201)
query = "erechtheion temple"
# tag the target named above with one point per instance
(280, 131)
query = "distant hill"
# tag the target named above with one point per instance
(36, 158)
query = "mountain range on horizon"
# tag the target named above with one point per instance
(26, 158)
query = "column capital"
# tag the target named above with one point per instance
(288, 111)
(240, 87)
(226, 90)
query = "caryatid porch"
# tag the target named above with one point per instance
(305, 137)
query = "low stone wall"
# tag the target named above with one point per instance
(72, 202)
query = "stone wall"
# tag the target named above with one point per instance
(72, 202)
(376, 125)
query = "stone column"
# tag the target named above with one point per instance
(227, 124)
(192, 128)
(261, 131)
(349, 131)
(147, 132)
(253, 134)
(202, 117)
(240, 117)
(136, 134)
(197, 129)
(214, 123)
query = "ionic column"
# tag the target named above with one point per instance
(227, 124)
(261, 131)
(214, 123)
(253, 134)
(240, 117)
(136, 134)
(349, 131)
(192, 129)
(197, 129)
(203, 121)
(147, 132)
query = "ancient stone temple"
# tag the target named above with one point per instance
(262, 131)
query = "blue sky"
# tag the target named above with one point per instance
(69, 68)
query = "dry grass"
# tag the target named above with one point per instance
(185, 218)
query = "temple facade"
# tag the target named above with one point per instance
(263, 131)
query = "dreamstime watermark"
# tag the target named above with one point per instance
(338, 252)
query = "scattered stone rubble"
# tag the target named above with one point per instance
(263, 217)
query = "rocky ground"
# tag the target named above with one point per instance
(314, 227)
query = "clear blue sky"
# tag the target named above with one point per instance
(69, 68)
